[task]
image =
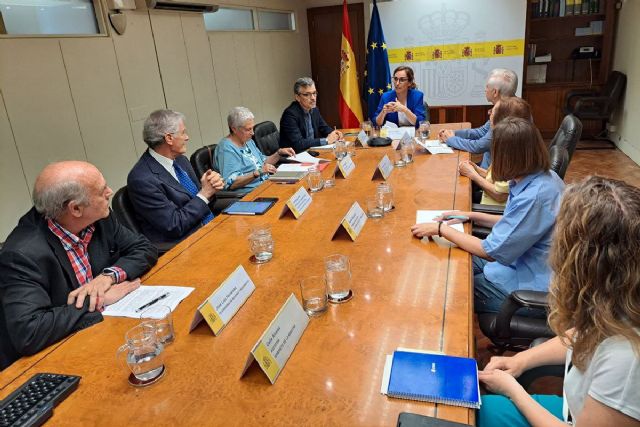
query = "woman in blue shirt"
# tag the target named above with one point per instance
(403, 106)
(514, 255)
(242, 165)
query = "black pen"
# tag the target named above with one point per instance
(153, 301)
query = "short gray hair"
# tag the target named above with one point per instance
(52, 200)
(504, 80)
(302, 81)
(158, 124)
(238, 116)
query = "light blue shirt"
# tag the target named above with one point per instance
(476, 141)
(519, 242)
(233, 161)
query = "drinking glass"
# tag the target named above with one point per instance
(314, 180)
(159, 317)
(398, 158)
(261, 244)
(351, 148)
(384, 192)
(313, 290)
(337, 272)
(424, 128)
(374, 210)
(142, 352)
(407, 151)
(340, 149)
(366, 127)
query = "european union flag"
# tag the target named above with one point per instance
(378, 78)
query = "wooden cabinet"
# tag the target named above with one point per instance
(569, 69)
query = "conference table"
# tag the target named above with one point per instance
(408, 293)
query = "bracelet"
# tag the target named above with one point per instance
(439, 225)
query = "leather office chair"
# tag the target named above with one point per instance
(202, 160)
(568, 134)
(266, 137)
(125, 214)
(591, 105)
(509, 331)
(427, 114)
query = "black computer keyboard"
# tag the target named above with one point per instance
(32, 404)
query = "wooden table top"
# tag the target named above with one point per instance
(407, 293)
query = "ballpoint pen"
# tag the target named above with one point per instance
(153, 301)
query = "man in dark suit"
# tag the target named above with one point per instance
(301, 125)
(170, 202)
(66, 259)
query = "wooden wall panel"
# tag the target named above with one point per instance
(247, 72)
(212, 128)
(175, 72)
(139, 72)
(39, 105)
(225, 70)
(16, 199)
(100, 106)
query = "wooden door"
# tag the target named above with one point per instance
(325, 33)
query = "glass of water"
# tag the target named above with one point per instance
(313, 290)
(366, 127)
(374, 210)
(261, 244)
(158, 317)
(337, 272)
(142, 353)
(314, 180)
(384, 191)
(340, 149)
(424, 128)
(407, 151)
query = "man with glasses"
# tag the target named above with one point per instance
(170, 202)
(301, 125)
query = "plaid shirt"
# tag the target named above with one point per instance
(77, 249)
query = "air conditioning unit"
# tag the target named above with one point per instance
(196, 6)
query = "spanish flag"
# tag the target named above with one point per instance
(349, 98)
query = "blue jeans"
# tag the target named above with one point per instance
(497, 411)
(488, 297)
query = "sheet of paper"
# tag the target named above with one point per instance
(440, 150)
(128, 305)
(305, 157)
(386, 374)
(398, 133)
(428, 216)
(429, 143)
(323, 147)
(295, 167)
(390, 125)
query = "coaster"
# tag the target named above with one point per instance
(136, 382)
(254, 260)
(341, 300)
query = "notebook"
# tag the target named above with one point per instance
(435, 378)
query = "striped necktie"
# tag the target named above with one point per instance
(190, 186)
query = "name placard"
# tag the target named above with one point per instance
(362, 139)
(352, 222)
(346, 166)
(396, 143)
(276, 344)
(224, 302)
(297, 203)
(384, 169)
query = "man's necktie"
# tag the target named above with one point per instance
(308, 125)
(190, 186)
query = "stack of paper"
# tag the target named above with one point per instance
(428, 217)
(144, 297)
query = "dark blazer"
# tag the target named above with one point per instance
(293, 129)
(36, 277)
(415, 103)
(166, 211)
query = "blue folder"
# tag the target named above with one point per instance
(434, 378)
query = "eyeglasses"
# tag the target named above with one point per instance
(309, 94)
(400, 79)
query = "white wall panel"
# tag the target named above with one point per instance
(16, 200)
(100, 106)
(226, 71)
(39, 105)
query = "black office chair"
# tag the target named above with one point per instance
(427, 114)
(592, 105)
(125, 214)
(202, 160)
(509, 331)
(568, 134)
(266, 137)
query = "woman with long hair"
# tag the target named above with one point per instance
(595, 311)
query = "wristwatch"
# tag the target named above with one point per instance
(110, 272)
(256, 173)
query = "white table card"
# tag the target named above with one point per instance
(362, 139)
(346, 166)
(352, 222)
(276, 344)
(297, 203)
(384, 169)
(224, 302)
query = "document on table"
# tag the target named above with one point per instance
(429, 143)
(295, 167)
(305, 157)
(130, 305)
(428, 217)
(323, 147)
(440, 150)
(395, 132)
